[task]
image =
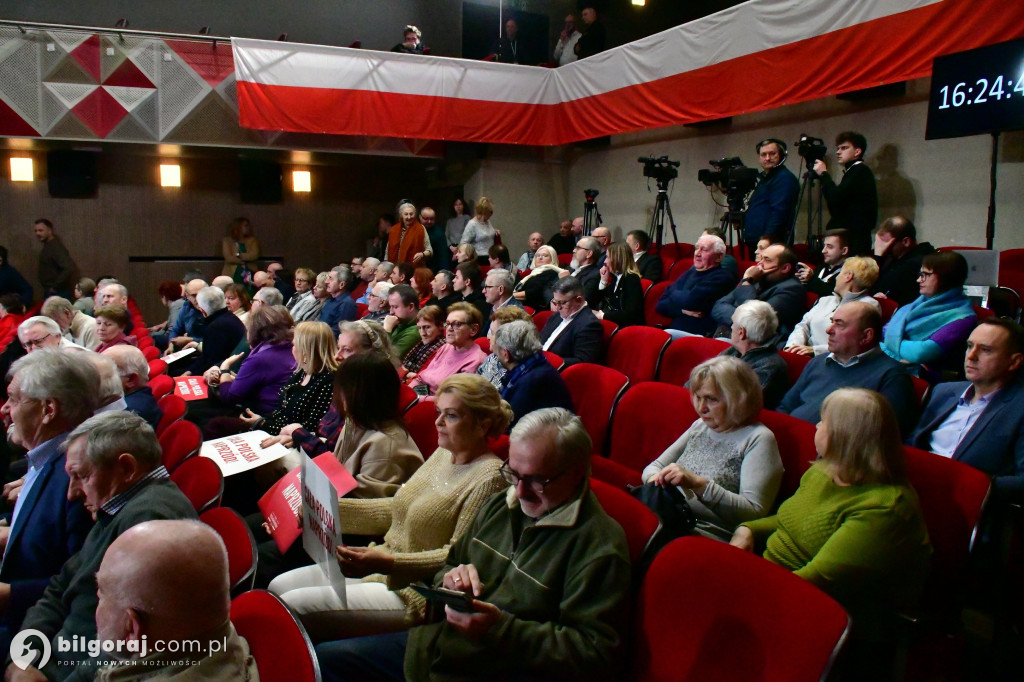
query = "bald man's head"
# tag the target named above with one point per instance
(222, 282)
(165, 580)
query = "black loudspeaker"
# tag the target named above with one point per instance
(71, 174)
(261, 181)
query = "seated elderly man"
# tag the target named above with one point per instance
(534, 242)
(222, 333)
(74, 324)
(50, 394)
(41, 331)
(368, 276)
(497, 289)
(588, 271)
(754, 325)
(559, 611)
(378, 307)
(854, 360)
(133, 370)
(772, 280)
(222, 282)
(575, 334)
(190, 324)
(856, 275)
(443, 288)
(110, 397)
(981, 421)
(113, 462)
(400, 324)
(111, 291)
(689, 299)
(268, 296)
(530, 382)
(167, 581)
(339, 306)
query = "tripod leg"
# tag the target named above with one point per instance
(671, 220)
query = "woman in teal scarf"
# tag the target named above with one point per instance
(935, 327)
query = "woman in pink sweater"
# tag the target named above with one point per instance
(459, 355)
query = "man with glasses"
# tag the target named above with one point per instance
(377, 302)
(497, 289)
(587, 271)
(42, 332)
(558, 611)
(575, 334)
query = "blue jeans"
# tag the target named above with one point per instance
(380, 658)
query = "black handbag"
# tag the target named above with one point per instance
(677, 519)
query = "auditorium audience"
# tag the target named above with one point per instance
(367, 277)
(12, 314)
(587, 271)
(221, 333)
(575, 334)
(529, 382)
(339, 306)
(535, 289)
(834, 251)
(937, 324)
(133, 369)
(266, 296)
(407, 242)
(468, 279)
(851, 283)
(459, 354)
(172, 296)
(400, 324)
(559, 610)
(479, 232)
(442, 288)
(191, 323)
(377, 304)
(854, 360)
(620, 293)
(727, 463)
(41, 332)
(456, 225)
(430, 326)
(491, 368)
(237, 302)
(110, 393)
(309, 309)
(981, 421)
(534, 242)
(111, 321)
(688, 300)
(854, 527)
(774, 281)
(754, 326)
(402, 273)
(420, 523)
(464, 253)
(564, 242)
(12, 282)
(74, 324)
(499, 258)
(410, 41)
(422, 279)
(498, 287)
(649, 264)
(147, 589)
(241, 250)
(84, 292)
(899, 257)
(436, 240)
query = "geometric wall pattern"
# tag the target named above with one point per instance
(82, 85)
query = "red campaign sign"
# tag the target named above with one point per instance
(191, 388)
(280, 505)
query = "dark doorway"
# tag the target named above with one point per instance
(480, 33)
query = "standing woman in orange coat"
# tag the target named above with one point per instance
(408, 241)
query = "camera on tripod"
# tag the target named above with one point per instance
(590, 194)
(730, 174)
(811, 149)
(661, 169)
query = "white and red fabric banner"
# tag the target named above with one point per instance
(758, 55)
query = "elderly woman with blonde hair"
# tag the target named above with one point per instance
(727, 463)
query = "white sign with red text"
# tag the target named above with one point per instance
(235, 454)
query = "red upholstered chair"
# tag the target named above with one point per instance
(667, 261)
(151, 353)
(646, 284)
(564, 259)
(595, 390)
(406, 398)
(201, 482)
(961, 248)
(610, 329)
(678, 268)
(529, 310)
(983, 313)
(686, 353)
(810, 298)
(540, 318)
(174, 408)
(555, 359)
(651, 316)
(157, 367)
(276, 638)
(640, 523)
(889, 307)
(361, 310)
(419, 420)
(1011, 260)
(483, 344)
(636, 352)
(760, 622)
(499, 446)
(179, 441)
(240, 543)
(921, 389)
(161, 386)
(795, 363)
(795, 439)
(144, 342)
(641, 427)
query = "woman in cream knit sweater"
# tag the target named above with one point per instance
(419, 523)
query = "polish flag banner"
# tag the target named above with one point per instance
(759, 55)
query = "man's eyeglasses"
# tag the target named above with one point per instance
(561, 304)
(534, 483)
(36, 343)
(456, 325)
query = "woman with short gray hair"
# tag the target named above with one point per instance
(530, 382)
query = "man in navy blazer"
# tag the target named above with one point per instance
(588, 271)
(575, 333)
(981, 421)
(51, 392)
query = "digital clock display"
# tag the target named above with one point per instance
(977, 91)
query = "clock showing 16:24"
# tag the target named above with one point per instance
(977, 91)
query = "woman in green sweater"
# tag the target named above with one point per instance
(854, 526)
(434, 507)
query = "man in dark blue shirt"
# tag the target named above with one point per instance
(339, 307)
(773, 204)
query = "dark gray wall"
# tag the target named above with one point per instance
(377, 23)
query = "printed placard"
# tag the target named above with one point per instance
(321, 527)
(235, 454)
(191, 388)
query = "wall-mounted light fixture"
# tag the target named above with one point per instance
(21, 169)
(170, 175)
(301, 181)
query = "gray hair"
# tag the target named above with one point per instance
(105, 282)
(343, 274)
(269, 296)
(110, 434)
(52, 373)
(590, 244)
(371, 335)
(129, 360)
(387, 265)
(110, 377)
(55, 305)
(122, 290)
(572, 444)
(519, 339)
(408, 203)
(384, 287)
(370, 262)
(502, 278)
(210, 299)
(568, 286)
(49, 325)
(449, 277)
(758, 319)
(717, 244)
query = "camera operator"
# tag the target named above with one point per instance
(773, 204)
(853, 203)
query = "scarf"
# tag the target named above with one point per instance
(919, 320)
